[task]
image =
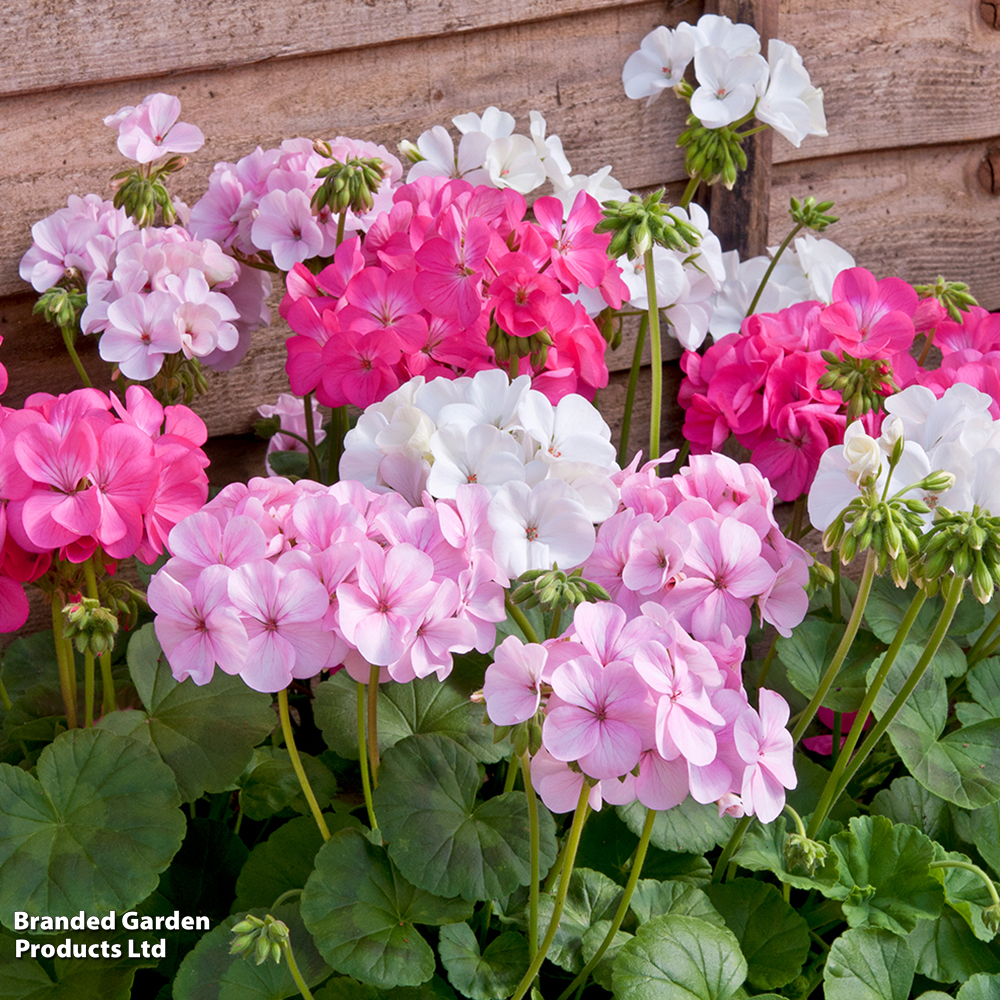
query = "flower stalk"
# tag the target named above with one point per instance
(300, 771)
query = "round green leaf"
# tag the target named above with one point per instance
(654, 899)
(980, 987)
(362, 913)
(92, 832)
(907, 801)
(209, 972)
(690, 828)
(490, 975)
(438, 836)
(422, 706)
(947, 951)
(866, 963)
(270, 784)
(774, 939)
(982, 831)
(679, 958)
(206, 734)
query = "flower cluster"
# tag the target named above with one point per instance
(735, 82)
(704, 546)
(763, 384)
(644, 712)
(263, 203)
(159, 291)
(545, 470)
(274, 581)
(81, 473)
(452, 280)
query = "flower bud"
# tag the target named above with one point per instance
(863, 455)
(936, 482)
(801, 852)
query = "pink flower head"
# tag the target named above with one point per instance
(766, 746)
(870, 318)
(522, 297)
(578, 253)
(513, 681)
(449, 282)
(151, 130)
(558, 786)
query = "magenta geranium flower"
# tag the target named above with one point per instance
(870, 318)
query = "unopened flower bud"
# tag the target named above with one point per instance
(936, 482)
(991, 917)
(90, 626)
(801, 852)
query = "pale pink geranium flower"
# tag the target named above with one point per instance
(141, 331)
(151, 130)
(513, 681)
(197, 626)
(598, 716)
(558, 786)
(287, 228)
(766, 746)
(438, 634)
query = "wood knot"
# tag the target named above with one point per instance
(989, 11)
(988, 172)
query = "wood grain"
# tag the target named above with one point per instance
(569, 69)
(98, 41)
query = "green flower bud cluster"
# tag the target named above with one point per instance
(263, 938)
(966, 543)
(861, 382)
(90, 626)
(891, 529)
(141, 194)
(953, 295)
(713, 154)
(991, 918)
(506, 346)
(820, 577)
(348, 185)
(801, 852)
(62, 304)
(812, 215)
(552, 588)
(640, 222)
(178, 381)
(524, 736)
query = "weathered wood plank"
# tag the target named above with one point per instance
(568, 68)
(89, 43)
(915, 213)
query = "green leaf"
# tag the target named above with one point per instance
(884, 877)
(965, 892)
(866, 963)
(362, 912)
(92, 832)
(907, 801)
(810, 648)
(887, 606)
(679, 958)
(491, 975)
(423, 706)
(345, 988)
(980, 987)
(26, 978)
(964, 766)
(655, 899)
(763, 849)
(812, 779)
(591, 898)
(289, 463)
(690, 828)
(209, 972)
(439, 838)
(774, 939)
(983, 682)
(206, 734)
(593, 938)
(947, 951)
(271, 783)
(982, 831)
(284, 861)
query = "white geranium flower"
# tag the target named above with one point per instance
(489, 398)
(495, 123)
(719, 31)
(729, 86)
(600, 185)
(480, 454)
(671, 280)
(786, 286)
(512, 162)
(784, 104)
(863, 455)
(550, 152)
(821, 261)
(572, 430)
(440, 160)
(659, 64)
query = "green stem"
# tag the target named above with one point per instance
(692, 186)
(294, 970)
(799, 825)
(519, 617)
(288, 894)
(513, 763)
(88, 688)
(798, 510)
(572, 843)
(928, 341)
(656, 352)
(69, 337)
(339, 424)
(975, 654)
(633, 879)
(864, 588)
(828, 797)
(363, 759)
(768, 660)
(838, 725)
(989, 650)
(556, 622)
(341, 222)
(310, 436)
(310, 449)
(529, 792)
(835, 608)
(954, 595)
(633, 383)
(373, 758)
(976, 870)
(66, 667)
(238, 823)
(732, 846)
(107, 681)
(5, 697)
(770, 267)
(300, 771)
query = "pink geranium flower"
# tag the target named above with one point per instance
(870, 318)
(513, 681)
(151, 130)
(764, 743)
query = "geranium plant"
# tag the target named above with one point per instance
(458, 700)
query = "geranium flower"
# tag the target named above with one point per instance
(766, 746)
(151, 130)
